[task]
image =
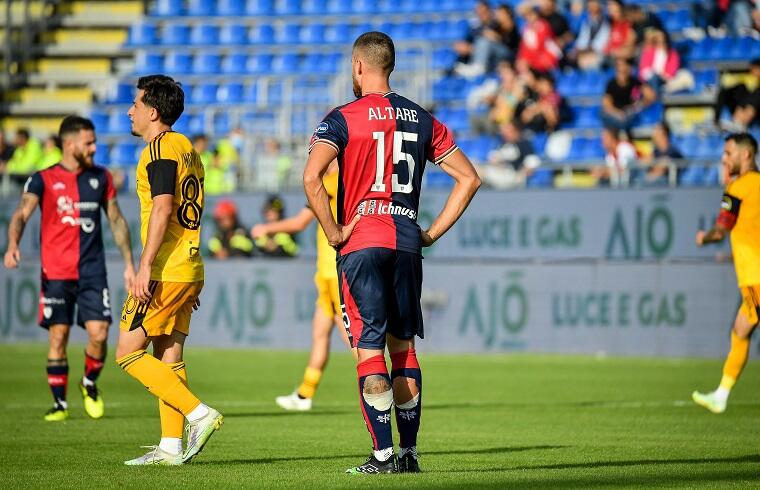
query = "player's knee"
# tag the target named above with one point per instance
(99, 336)
(377, 392)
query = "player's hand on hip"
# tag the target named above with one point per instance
(140, 286)
(427, 240)
(12, 258)
(700, 239)
(343, 232)
(196, 303)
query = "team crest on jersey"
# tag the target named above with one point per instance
(58, 186)
(48, 312)
(321, 128)
(94, 183)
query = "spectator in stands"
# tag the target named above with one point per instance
(664, 155)
(273, 166)
(51, 153)
(26, 156)
(539, 48)
(739, 17)
(541, 110)
(624, 98)
(279, 244)
(594, 34)
(620, 156)
(6, 152)
(221, 177)
(642, 20)
(561, 29)
(201, 146)
(741, 120)
(483, 19)
(512, 163)
(230, 238)
(622, 41)
(497, 41)
(660, 65)
(741, 94)
(500, 97)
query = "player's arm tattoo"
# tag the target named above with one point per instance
(20, 217)
(120, 230)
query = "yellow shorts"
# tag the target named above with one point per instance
(328, 297)
(750, 303)
(169, 309)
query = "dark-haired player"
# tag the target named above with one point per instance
(71, 195)
(382, 142)
(169, 277)
(740, 217)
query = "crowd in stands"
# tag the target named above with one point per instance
(518, 99)
(27, 154)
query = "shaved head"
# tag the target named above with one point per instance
(376, 50)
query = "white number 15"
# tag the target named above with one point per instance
(398, 156)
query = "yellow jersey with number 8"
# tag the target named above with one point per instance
(170, 165)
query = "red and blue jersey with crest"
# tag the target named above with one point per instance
(71, 241)
(383, 143)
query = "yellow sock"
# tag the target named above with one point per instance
(160, 380)
(172, 420)
(735, 362)
(310, 382)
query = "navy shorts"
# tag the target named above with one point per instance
(380, 293)
(58, 298)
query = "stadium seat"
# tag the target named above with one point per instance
(118, 123)
(230, 93)
(540, 178)
(443, 59)
(142, 34)
(206, 64)
(175, 34)
(146, 63)
(274, 93)
(204, 93)
(261, 34)
(288, 34)
(178, 63)
(100, 121)
(169, 8)
(650, 115)
(339, 7)
(367, 7)
(234, 64)
(122, 93)
(359, 29)
(222, 123)
(259, 7)
(338, 34)
(251, 93)
(201, 8)
(122, 154)
(182, 125)
(232, 8)
(285, 63)
(196, 124)
(288, 7)
(314, 7)
(204, 34)
(259, 64)
(313, 63)
(233, 34)
(313, 34)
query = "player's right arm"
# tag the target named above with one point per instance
(729, 213)
(20, 217)
(294, 224)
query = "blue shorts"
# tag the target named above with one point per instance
(58, 298)
(380, 293)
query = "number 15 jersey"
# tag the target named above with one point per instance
(383, 143)
(170, 165)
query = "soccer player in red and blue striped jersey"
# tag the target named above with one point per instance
(382, 142)
(71, 196)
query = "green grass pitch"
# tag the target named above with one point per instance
(489, 421)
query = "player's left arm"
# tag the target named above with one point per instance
(725, 222)
(121, 237)
(319, 159)
(466, 184)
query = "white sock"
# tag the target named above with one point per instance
(384, 454)
(63, 403)
(87, 382)
(198, 413)
(721, 394)
(172, 445)
(403, 450)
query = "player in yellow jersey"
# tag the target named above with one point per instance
(170, 274)
(739, 216)
(327, 312)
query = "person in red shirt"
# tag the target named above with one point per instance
(382, 142)
(622, 40)
(538, 48)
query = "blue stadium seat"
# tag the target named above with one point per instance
(234, 64)
(178, 63)
(444, 58)
(406, 31)
(169, 8)
(175, 34)
(201, 7)
(146, 63)
(540, 178)
(331, 62)
(288, 34)
(204, 34)
(233, 34)
(288, 7)
(438, 179)
(142, 34)
(251, 93)
(206, 63)
(100, 121)
(388, 6)
(359, 29)
(182, 125)
(261, 34)
(365, 7)
(338, 34)
(691, 176)
(196, 124)
(313, 34)
(259, 64)
(122, 154)
(314, 7)
(438, 30)
(339, 7)
(650, 115)
(204, 93)
(123, 93)
(230, 93)
(285, 63)
(457, 29)
(259, 7)
(222, 124)
(232, 8)
(313, 63)
(585, 117)
(274, 93)
(118, 123)
(700, 50)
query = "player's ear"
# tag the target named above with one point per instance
(154, 115)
